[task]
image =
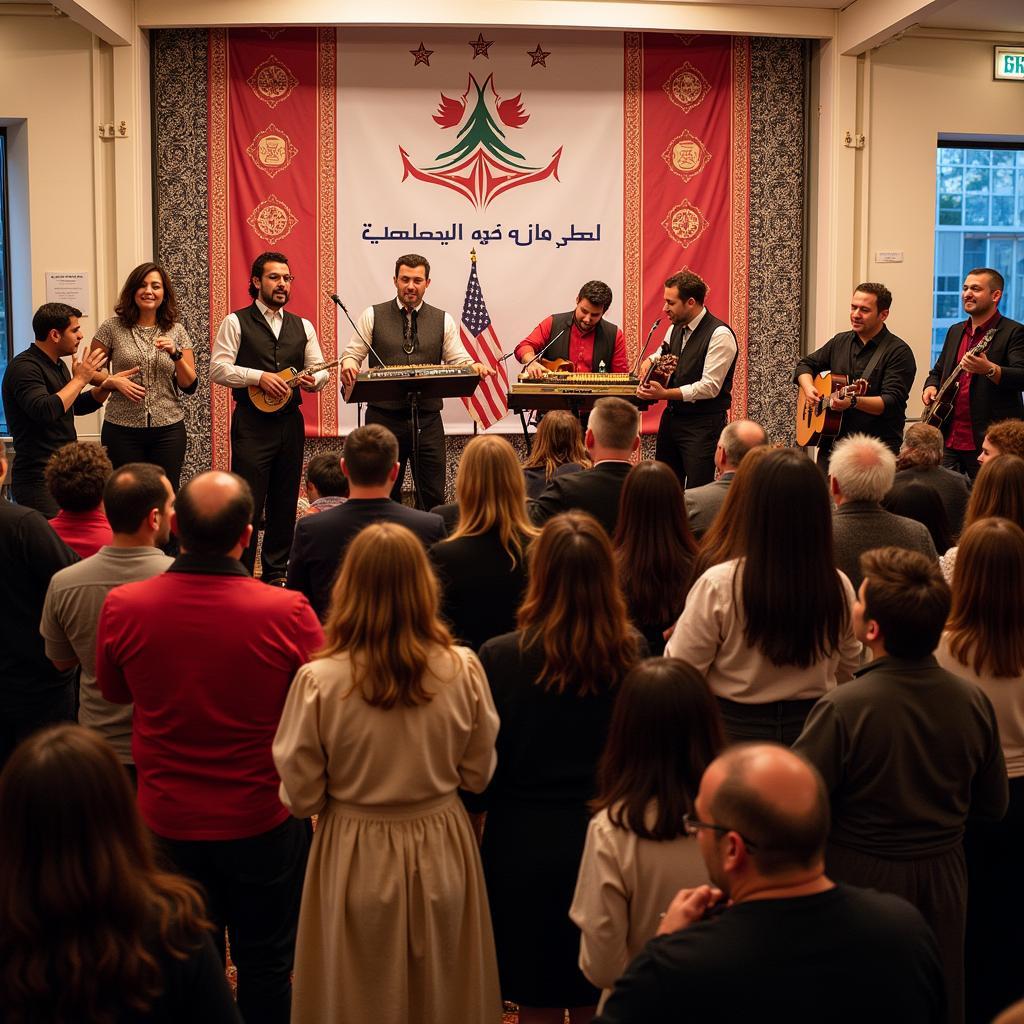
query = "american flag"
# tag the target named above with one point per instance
(489, 403)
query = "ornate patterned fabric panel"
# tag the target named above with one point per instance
(182, 237)
(777, 188)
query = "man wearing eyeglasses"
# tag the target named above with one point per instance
(252, 345)
(773, 938)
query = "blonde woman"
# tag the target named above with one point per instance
(378, 734)
(482, 566)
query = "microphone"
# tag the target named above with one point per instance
(341, 306)
(543, 350)
(640, 357)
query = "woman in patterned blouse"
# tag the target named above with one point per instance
(144, 420)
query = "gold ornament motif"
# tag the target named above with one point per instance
(272, 81)
(685, 40)
(271, 150)
(687, 87)
(686, 155)
(272, 33)
(684, 223)
(272, 220)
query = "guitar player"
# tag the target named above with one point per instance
(991, 382)
(251, 346)
(872, 351)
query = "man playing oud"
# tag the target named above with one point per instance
(990, 382)
(871, 351)
(252, 346)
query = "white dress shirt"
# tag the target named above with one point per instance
(223, 368)
(722, 349)
(452, 349)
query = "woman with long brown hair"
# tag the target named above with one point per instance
(721, 541)
(654, 549)
(772, 627)
(998, 491)
(558, 448)
(984, 644)
(554, 682)
(377, 735)
(144, 420)
(90, 928)
(665, 731)
(482, 565)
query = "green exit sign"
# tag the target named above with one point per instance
(1009, 63)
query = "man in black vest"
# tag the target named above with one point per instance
(583, 336)
(252, 344)
(870, 350)
(407, 331)
(990, 382)
(700, 392)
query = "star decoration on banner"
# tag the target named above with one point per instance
(538, 56)
(481, 46)
(422, 55)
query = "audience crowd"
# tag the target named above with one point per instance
(580, 741)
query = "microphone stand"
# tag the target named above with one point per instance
(640, 357)
(542, 351)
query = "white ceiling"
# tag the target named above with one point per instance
(979, 15)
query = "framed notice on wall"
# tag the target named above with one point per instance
(1009, 63)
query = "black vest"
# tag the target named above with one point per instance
(603, 334)
(691, 366)
(258, 349)
(389, 340)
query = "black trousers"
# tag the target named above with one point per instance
(430, 479)
(162, 446)
(253, 888)
(963, 462)
(17, 724)
(687, 443)
(777, 721)
(33, 493)
(995, 905)
(266, 452)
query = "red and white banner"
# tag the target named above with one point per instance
(559, 156)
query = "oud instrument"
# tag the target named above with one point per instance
(817, 420)
(266, 403)
(942, 407)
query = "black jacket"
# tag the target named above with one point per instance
(990, 402)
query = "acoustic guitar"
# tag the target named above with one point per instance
(818, 420)
(265, 403)
(942, 406)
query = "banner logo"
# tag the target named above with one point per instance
(481, 165)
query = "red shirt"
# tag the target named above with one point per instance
(207, 655)
(961, 431)
(84, 532)
(581, 347)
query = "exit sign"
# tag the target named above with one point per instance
(1009, 63)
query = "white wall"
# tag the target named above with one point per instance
(918, 88)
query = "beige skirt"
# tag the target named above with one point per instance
(395, 927)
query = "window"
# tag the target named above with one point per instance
(979, 222)
(6, 351)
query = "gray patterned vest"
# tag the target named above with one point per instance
(389, 341)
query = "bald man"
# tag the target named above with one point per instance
(703, 503)
(207, 654)
(774, 938)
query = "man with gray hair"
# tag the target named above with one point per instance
(919, 461)
(861, 471)
(703, 503)
(613, 437)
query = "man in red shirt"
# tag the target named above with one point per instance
(207, 654)
(591, 343)
(990, 382)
